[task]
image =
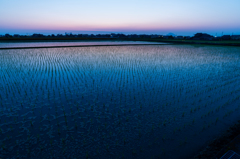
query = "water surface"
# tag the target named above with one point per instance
(75, 43)
(116, 102)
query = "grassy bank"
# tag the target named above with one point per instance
(72, 39)
(204, 42)
(64, 46)
(222, 144)
(50, 39)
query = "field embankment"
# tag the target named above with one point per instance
(219, 146)
(69, 39)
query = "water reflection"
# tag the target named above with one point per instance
(114, 102)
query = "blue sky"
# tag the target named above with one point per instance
(184, 17)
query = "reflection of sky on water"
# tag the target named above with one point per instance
(110, 102)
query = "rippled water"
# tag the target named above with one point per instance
(81, 43)
(116, 102)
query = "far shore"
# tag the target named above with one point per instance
(40, 47)
(76, 39)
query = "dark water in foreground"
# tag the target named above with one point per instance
(116, 102)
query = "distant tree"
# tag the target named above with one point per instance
(8, 35)
(59, 35)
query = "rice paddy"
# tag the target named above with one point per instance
(116, 102)
(71, 43)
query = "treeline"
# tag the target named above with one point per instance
(70, 36)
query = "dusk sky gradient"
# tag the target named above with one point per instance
(184, 17)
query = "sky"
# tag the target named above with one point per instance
(181, 17)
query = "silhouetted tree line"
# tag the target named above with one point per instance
(197, 36)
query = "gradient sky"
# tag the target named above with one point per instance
(181, 17)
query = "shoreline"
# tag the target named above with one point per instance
(220, 145)
(41, 47)
(72, 39)
(203, 43)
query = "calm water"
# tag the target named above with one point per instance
(41, 44)
(116, 102)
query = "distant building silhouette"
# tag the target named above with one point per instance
(179, 37)
(37, 35)
(155, 36)
(133, 36)
(16, 35)
(235, 37)
(226, 37)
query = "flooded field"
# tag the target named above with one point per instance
(76, 43)
(116, 102)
